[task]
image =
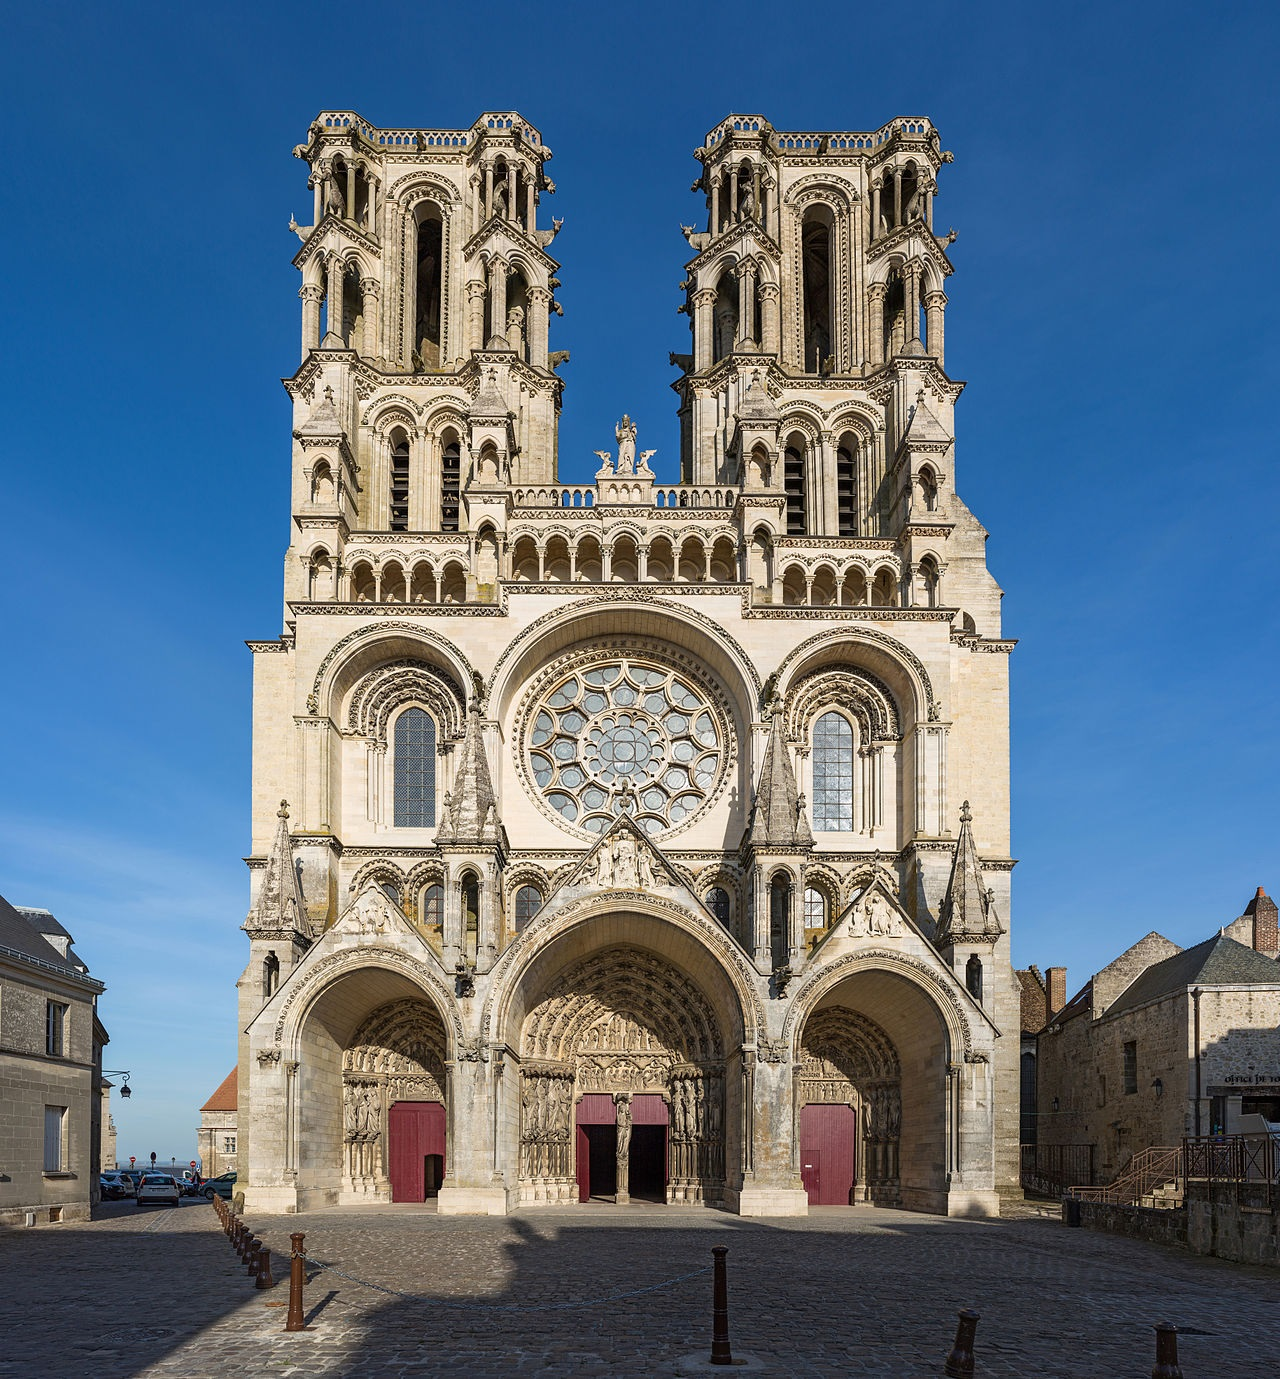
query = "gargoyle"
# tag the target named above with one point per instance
(544, 237)
(698, 239)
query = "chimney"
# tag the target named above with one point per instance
(1056, 982)
(1266, 931)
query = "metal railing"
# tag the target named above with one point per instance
(1148, 1173)
(1246, 1167)
(1049, 1170)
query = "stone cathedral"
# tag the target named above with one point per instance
(642, 839)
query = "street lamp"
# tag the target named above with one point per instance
(125, 1091)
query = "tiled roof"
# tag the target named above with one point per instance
(1218, 961)
(227, 1097)
(20, 933)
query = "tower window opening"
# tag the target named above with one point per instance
(432, 907)
(846, 491)
(815, 909)
(816, 272)
(726, 314)
(270, 975)
(399, 512)
(895, 317)
(718, 904)
(779, 918)
(471, 916)
(973, 977)
(450, 484)
(833, 759)
(415, 770)
(429, 280)
(793, 482)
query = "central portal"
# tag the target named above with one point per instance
(622, 1085)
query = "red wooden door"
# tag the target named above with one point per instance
(415, 1130)
(595, 1108)
(826, 1154)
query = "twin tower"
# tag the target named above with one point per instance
(813, 399)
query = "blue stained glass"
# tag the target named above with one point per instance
(415, 770)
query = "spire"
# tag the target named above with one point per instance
(280, 904)
(968, 908)
(779, 816)
(470, 813)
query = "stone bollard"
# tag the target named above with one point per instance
(721, 1354)
(1166, 1366)
(295, 1321)
(264, 1279)
(959, 1363)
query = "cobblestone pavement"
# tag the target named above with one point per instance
(841, 1292)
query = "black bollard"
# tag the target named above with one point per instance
(959, 1363)
(720, 1351)
(1166, 1366)
(295, 1321)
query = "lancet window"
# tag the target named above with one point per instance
(528, 903)
(833, 761)
(450, 482)
(793, 480)
(399, 496)
(718, 904)
(415, 769)
(816, 261)
(429, 285)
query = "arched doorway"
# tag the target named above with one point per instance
(622, 1084)
(850, 1110)
(393, 1080)
(873, 1084)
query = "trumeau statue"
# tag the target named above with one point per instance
(625, 431)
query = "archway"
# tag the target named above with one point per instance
(877, 1045)
(630, 1046)
(371, 1041)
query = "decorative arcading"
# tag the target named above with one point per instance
(863, 694)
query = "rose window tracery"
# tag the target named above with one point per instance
(629, 735)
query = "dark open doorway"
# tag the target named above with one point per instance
(602, 1141)
(647, 1177)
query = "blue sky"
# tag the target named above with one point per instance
(1113, 309)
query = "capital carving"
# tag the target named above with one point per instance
(311, 292)
(704, 296)
(476, 289)
(770, 292)
(877, 291)
(370, 287)
(936, 298)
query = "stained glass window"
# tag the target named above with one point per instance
(815, 909)
(718, 904)
(625, 735)
(528, 903)
(833, 774)
(415, 770)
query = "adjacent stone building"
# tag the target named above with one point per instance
(50, 1073)
(645, 837)
(217, 1140)
(1165, 1042)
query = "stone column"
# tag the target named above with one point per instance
(451, 950)
(539, 325)
(531, 205)
(911, 302)
(371, 210)
(642, 563)
(622, 1100)
(747, 302)
(337, 271)
(351, 192)
(875, 211)
(369, 290)
(929, 188)
(828, 498)
(497, 298)
(703, 329)
(934, 325)
(897, 197)
(715, 205)
(476, 292)
(755, 190)
(512, 210)
(317, 198)
(488, 190)
(760, 922)
(312, 295)
(770, 317)
(733, 195)
(475, 206)
(875, 322)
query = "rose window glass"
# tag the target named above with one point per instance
(625, 736)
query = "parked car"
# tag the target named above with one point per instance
(223, 1185)
(134, 1175)
(158, 1187)
(113, 1189)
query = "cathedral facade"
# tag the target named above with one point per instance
(632, 839)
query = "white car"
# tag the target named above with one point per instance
(158, 1187)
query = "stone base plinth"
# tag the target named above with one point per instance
(768, 1201)
(472, 1201)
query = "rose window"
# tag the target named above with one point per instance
(627, 736)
